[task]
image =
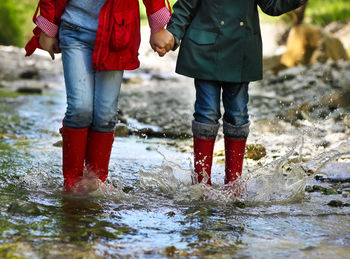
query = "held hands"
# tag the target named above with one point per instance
(162, 42)
(49, 44)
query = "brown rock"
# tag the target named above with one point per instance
(58, 144)
(346, 120)
(273, 64)
(255, 151)
(337, 99)
(307, 44)
(29, 90)
(299, 112)
(121, 131)
(269, 125)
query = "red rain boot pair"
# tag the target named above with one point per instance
(203, 157)
(84, 145)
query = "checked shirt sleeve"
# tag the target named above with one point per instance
(159, 19)
(49, 28)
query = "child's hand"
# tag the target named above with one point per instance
(162, 42)
(49, 44)
(161, 51)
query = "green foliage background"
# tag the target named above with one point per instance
(16, 17)
(16, 21)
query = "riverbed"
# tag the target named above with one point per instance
(295, 201)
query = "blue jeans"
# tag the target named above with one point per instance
(92, 97)
(234, 97)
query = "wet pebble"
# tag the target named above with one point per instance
(300, 112)
(170, 251)
(323, 190)
(337, 203)
(21, 207)
(58, 144)
(30, 74)
(127, 189)
(171, 214)
(346, 120)
(29, 90)
(121, 131)
(337, 99)
(255, 151)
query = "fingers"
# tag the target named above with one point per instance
(162, 42)
(49, 44)
(52, 54)
(56, 47)
(161, 51)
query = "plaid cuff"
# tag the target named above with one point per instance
(159, 19)
(49, 28)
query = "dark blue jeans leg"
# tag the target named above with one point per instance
(236, 118)
(207, 109)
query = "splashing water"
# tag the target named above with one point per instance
(278, 182)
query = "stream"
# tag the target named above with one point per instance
(149, 209)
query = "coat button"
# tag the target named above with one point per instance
(241, 24)
(222, 23)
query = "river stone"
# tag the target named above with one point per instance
(335, 203)
(170, 251)
(337, 171)
(300, 112)
(11, 249)
(346, 120)
(21, 207)
(337, 99)
(269, 125)
(308, 44)
(58, 144)
(134, 80)
(255, 151)
(29, 74)
(121, 131)
(273, 63)
(29, 90)
(170, 214)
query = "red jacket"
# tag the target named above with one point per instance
(118, 34)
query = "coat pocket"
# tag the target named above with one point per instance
(202, 37)
(125, 26)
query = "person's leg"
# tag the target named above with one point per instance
(79, 80)
(236, 127)
(205, 126)
(101, 133)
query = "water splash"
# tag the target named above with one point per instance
(278, 182)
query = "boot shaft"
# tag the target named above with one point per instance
(234, 155)
(98, 153)
(73, 154)
(203, 158)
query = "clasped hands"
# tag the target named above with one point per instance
(162, 42)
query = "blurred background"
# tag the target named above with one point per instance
(297, 162)
(16, 17)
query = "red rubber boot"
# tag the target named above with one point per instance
(234, 155)
(98, 153)
(74, 151)
(203, 157)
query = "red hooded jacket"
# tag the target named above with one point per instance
(118, 35)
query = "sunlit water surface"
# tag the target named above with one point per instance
(149, 208)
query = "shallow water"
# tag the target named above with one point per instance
(149, 208)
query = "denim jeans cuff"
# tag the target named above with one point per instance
(236, 132)
(203, 130)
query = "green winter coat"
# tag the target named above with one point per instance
(220, 39)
